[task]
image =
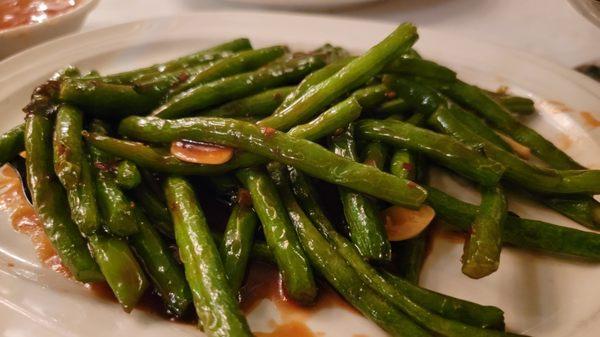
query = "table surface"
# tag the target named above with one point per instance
(548, 28)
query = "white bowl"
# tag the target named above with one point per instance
(588, 8)
(314, 5)
(18, 38)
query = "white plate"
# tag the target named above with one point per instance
(542, 296)
(303, 4)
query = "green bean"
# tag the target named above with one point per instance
(158, 86)
(395, 107)
(305, 155)
(233, 65)
(50, 204)
(482, 250)
(329, 121)
(237, 243)
(578, 181)
(523, 233)
(162, 160)
(115, 207)
(155, 208)
(120, 268)
(402, 164)
(418, 96)
(196, 58)
(105, 100)
(365, 226)
(295, 269)
(410, 253)
(341, 275)
(428, 100)
(215, 302)
(234, 87)
(411, 53)
(473, 122)
(158, 261)
(411, 256)
(72, 167)
(260, 105)
(127, 175)
(330, 53)
(68, 71)
(313, 79)
(483, 316)
(446, 306)
(420, 67)
(583, 209)
(515, 104)
(226, 187)
(440, 148)
(372, 96)
(375, 154)
(312, 239)
(477, 100)
(529, 176)
(260, 251)
(44, 97)
(351, 76)
(11, 143)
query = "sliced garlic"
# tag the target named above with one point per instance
(201, 153)
(403, 223)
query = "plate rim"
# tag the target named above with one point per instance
(584, 81)
(569, 75)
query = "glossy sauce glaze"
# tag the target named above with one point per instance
(15, 13)
(263, 280)
(23, 218)
(264, 283)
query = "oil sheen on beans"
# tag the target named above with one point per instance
(263, 281)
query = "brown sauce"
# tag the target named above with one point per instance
(589, 119)
(558, 106)
(15, 13)
(263, 281)
(24, 219)
(564, 142)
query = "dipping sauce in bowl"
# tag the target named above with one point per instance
(15, 13)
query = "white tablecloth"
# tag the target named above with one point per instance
(549, 28)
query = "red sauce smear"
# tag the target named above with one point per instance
(23, 12)
(24, 219)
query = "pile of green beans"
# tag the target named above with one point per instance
(115, 198)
